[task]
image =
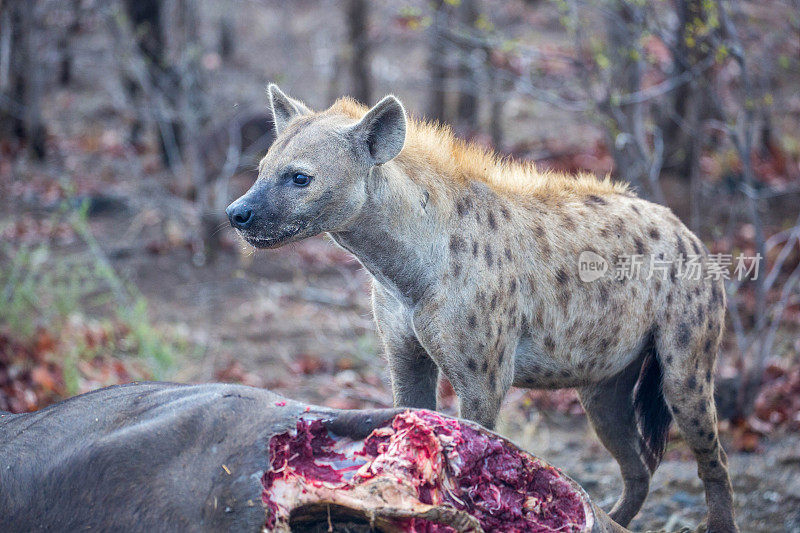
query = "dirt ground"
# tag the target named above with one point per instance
(297, 320)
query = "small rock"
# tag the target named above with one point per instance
(346, 378)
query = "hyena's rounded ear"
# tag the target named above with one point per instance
(381, 134)
(284, 108)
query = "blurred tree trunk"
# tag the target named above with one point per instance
(184, 82)
(168, 80)
(626, 75)
(437, 67)
(467, 108)
(66, 43)
(21, 76)
(166, 33)
(497, 86)
(186, 93)
(337, 65)
(227, 41)
(688, 105)
(359, 49)
(146, 20)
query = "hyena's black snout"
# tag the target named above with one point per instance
(240, 215)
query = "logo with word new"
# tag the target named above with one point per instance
(591, 266)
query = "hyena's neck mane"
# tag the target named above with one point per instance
(435, 159)
(402, 233)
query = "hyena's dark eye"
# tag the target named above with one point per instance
(301, 180)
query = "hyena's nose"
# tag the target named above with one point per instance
(240, 215)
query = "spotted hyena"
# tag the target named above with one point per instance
(477, 263)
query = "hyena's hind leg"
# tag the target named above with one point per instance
(612, 411)
(688, 352)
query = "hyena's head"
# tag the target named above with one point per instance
(314, 176)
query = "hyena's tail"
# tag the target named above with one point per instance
(652, 414)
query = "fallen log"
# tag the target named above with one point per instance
(160, 456)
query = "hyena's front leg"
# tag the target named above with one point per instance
(476, 358)
(413, 373)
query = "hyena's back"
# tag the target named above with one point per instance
(574, 331)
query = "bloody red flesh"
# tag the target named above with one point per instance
(445, 461)
(300, 452)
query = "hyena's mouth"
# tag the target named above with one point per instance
(270, 242)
